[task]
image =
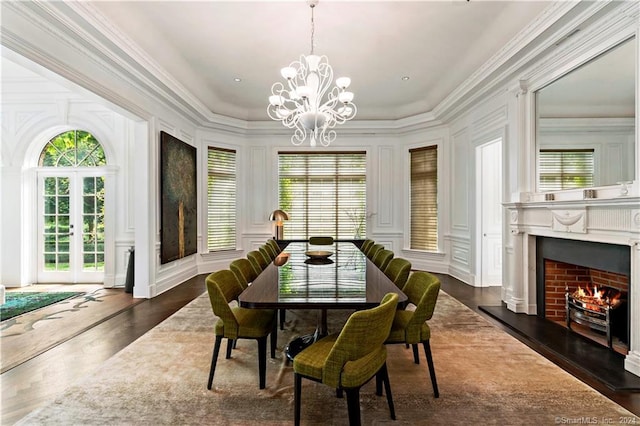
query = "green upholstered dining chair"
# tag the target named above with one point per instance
(274, 245)
(321, 241)
(349, 359)
(272, 252)
(266, 253)
(410, 326)
(235, 323)
(374, 250)
(366, 245)
(244, 271)
(382, 258)
(258, 260)
(398, 271)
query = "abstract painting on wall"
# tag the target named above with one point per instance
(178, 199)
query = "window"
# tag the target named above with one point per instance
(424, 198)
(565, 169)
(324, 194)
(221, 199)
(75, 148)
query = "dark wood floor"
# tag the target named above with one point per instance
(35, 383)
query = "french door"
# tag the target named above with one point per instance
(71, 230)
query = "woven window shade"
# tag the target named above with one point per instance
(424, 198)
(565, 169)
(221, 199)
(324, 194)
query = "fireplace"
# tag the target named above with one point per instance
(585, 286)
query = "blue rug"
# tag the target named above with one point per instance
(18, 303)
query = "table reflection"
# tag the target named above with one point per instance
(340, 277)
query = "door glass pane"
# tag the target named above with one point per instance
(56, 224)
(93, 224)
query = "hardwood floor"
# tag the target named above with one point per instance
(39, 380)
(35, 382)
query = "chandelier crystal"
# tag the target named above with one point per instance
(306, 102)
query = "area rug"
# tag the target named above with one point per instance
(30, 334)
(18, 303)
(485, 376)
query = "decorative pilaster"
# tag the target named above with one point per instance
(515, 253)
(632, 360)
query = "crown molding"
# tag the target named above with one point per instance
(79, 26)
(503, 65)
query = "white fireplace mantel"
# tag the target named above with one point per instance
(611, 221)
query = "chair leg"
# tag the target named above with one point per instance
(230, 346)
(416, 358)
(353, 406)
(214, 360)
(274, 339)
(432, 371)
(262, 361)
(387, 389)
(379, 380)
(297, 390)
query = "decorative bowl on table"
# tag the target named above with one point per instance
(318, 254)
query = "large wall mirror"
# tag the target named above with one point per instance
(585, 123)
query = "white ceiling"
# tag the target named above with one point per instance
(204, 45)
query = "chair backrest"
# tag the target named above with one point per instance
(364, 333)
(266, 252)
(374, 250)
(257, 259)
(422, 290)
(272, 243)
(223, 287)
(366, 245)
(382, 258)
(398, 271)
(244, 270)
(321, 241)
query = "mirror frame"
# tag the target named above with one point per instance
(571, 60)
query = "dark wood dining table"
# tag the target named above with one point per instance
(341, 278)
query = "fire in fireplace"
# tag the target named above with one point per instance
(597, 308)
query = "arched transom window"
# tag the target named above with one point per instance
(75, 148)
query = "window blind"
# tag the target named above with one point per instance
(565, 169)
(424, 198)
(221, 199)
(324, 194)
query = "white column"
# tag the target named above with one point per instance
(142, 153)
(12, 219)
(517, 271)
(632, 361)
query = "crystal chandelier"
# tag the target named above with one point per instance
(300, 102)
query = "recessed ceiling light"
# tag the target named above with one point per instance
(237, 79)
(405, 78)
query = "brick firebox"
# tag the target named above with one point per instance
(560, 276)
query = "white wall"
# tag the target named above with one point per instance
(128, 116)
(37, 107)
(34, 110)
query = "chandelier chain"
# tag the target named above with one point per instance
(313, 29)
